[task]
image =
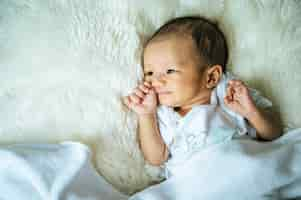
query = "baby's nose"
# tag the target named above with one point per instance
(158, 81)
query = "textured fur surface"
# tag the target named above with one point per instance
(64, 64)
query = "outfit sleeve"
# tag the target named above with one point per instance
(163, 126)
(167, 138)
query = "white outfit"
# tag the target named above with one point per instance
(198, 129)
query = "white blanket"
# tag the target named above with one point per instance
(51, 171)
(234, 170)
(237, 170)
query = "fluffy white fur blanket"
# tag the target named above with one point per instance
(64, 64)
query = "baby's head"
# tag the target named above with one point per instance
(184, 60)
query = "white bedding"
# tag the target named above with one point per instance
(231, 170)
(51, 171)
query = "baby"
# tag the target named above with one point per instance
(187, 93)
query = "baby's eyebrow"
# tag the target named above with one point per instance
(147, 64)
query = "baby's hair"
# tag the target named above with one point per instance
(209, 39)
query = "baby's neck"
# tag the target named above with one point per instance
(182, 112)
(204, 99)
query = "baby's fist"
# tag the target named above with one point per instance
(238, 98)
(142, 100)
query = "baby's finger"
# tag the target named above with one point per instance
(241, 89)
(144, 88)
(147, 84)
(134, 98)
(229, 90)
(126, 101)
(237, 95)
(139, 93)
(228, 99)
(236, 83)
(232, 104)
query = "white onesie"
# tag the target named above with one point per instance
(198, 129)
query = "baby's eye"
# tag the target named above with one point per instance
(170, 71)
(148, 73)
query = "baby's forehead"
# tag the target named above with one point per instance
(172, 42)
(174, 49)
(184, 37)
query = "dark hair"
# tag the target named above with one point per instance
(209, 39)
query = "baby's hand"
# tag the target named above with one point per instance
(143, 100)
(238, 99)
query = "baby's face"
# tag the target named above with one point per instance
(171, 65)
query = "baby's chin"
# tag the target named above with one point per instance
(168, 103)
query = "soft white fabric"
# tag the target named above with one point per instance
(231, 169)
(54, 172)
(236, 169)
(64, 64)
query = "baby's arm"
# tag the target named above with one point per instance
(150, 140)
(239, 100)
(143, 101)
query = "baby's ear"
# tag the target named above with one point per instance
(214, 74)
